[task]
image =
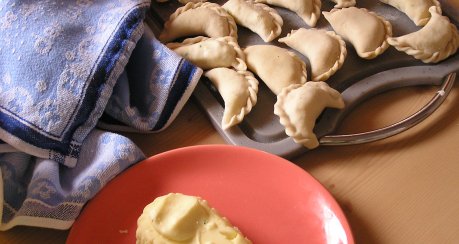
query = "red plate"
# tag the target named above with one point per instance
(270, 199)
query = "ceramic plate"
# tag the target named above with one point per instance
(270, 199)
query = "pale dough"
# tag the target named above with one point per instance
(436, 41)
(176, 218)
(365, 30)
(298, 107)
(308, 10)
(197, 19)
(344, 3)
(276, 66)
(257, 17)
(325, 50)
(416, 10)
(208, 53)
(239, 92)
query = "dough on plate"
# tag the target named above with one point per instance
(436, 41)
(308, 10)
(298, 107)
(199, 19)
(276, 66)
(365, 30)
(208, 53)
(325, 50)
(416, 10)
(239, 92)
(178, 218)
(258, 17)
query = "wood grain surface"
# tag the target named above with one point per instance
(403, 189)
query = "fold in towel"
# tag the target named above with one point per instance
(63, 70)
(162, 80)
(40, 192)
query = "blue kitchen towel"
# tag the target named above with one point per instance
(67, 69)
(138, 110)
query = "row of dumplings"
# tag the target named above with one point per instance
(299, 103)
(369, 33)
(277, 67)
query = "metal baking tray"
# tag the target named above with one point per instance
(357, 80)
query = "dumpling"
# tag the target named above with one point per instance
(192, 1)
(176, 218)
(298, 107)
(257, 17)
(182, 1)
(416, 10)
(436, 41)
(344, 3)
(365, 30)
(197, 19)
(208, 53)
(239, 92)
(325, 50)
(276, 66)
(308, 10)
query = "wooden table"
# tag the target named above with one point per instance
(404, 189)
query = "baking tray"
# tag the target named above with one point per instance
(357, 80)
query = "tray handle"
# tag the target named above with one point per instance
(396, 128)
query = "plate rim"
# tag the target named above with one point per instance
(212, 148)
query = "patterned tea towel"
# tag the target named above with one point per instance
(65, 67)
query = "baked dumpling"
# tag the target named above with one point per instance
(416, 10)
(308, 10)
(436, 41)
(199, 19)
(239, 92)
(208, 53)
(257, 17)
(325, 50)
(365, 30)
(344, 3)
(298, 107)
(276, 66)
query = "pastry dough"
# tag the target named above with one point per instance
(191, 1)
(308, 10)
(344, 3)
(325, 50)
(276, 66)
(182, 1)
(365, 30)
(239, 92)
(416, 10)
(257, 17)
(195, 19)
(436, 41)
(177, 218)
(298, 107)
(208, 53)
